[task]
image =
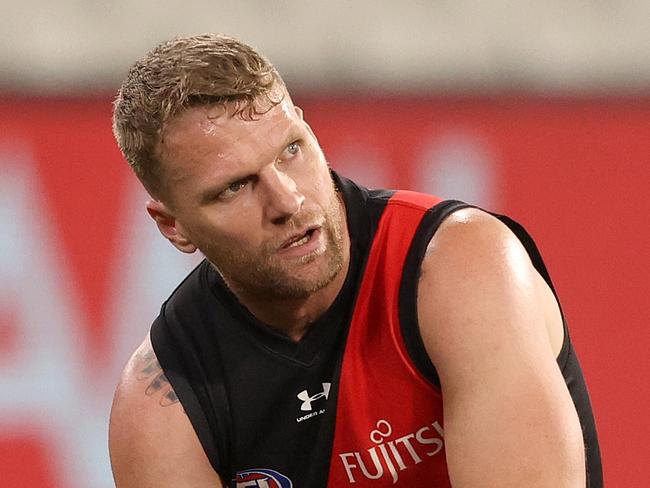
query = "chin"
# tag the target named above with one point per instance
(293, 283)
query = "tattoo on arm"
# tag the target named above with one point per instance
(158, 382)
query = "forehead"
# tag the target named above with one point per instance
(215, 133)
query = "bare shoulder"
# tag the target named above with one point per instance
(477, 280)
(492, 328)
(475, 235)
(151, 440)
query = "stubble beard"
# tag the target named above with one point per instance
(264, 275)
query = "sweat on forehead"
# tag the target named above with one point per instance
(214, 133)
(238, 109)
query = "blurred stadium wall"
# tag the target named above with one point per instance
(537, 109)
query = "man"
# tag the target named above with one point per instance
(334, 336)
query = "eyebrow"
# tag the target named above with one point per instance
(294, 134)
(207, 194)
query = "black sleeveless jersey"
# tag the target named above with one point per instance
(356, 401)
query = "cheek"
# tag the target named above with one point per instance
(324, 186)
(231, 231)
(205, 229)
(316, 176)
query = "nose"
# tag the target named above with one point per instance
(283, 200)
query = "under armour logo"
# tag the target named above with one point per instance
(307, 400)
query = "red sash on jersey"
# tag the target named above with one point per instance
(389, 417)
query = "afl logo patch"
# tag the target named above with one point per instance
(261, 478)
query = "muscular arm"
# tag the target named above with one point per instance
(493, 329)
(151, 441)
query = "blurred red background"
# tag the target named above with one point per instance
(575, 172)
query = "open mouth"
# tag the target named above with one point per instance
(299, 240)
(305, 242)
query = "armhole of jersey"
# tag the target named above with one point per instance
(536, 258)
(195, 403)
(408, 289)
(569, 365)
(409, 324)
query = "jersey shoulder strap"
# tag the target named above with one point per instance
(196, 373)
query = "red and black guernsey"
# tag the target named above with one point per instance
(356, 402)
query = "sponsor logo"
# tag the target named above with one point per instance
(391, 454)
(261, 478)
(308, 399)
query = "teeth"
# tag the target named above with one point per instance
(299, 242)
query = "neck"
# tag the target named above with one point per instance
(293, 316)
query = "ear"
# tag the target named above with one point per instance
(169, 226)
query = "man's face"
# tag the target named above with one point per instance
(256, 197)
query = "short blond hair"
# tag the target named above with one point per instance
(184, 72)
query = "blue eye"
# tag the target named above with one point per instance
(232, 189)
(293, 148)
(235, 187)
